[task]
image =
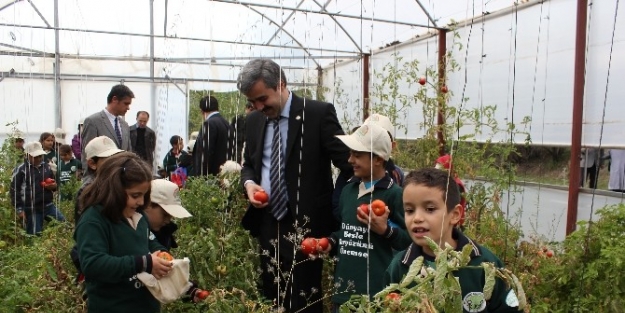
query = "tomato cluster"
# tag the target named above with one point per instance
(312, 245)
(377, 206)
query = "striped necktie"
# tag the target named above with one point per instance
(278, 199)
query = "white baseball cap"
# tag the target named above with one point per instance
(369, 138)
(194, 135)
(190, 145)
(381, 121)
(101, 147)
(34, 149)
(167, 195)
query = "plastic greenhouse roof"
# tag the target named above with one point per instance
(302, 33)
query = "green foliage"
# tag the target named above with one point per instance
(586, 276)
(425, 289)
(10, 230)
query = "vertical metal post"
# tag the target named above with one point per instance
(57, 68)
(442, 51)
(365, 86)
(578, 112)
(152, 83)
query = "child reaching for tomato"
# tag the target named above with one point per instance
(113, 238)
(432, 209)
(366, 239)
(164, 206)
(32, 188)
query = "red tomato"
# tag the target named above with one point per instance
(365, 209)
(165, 256)
(393, 296)
(422, 81)
(43, 184)
(49, 181)
(309, 245)
(444, 89)
(378, 207)
(549, 253)
(261, 196)
(203, 294)
(323, 243)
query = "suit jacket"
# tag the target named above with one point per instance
(98, 124)
(308, 163)
(149, 140)
(213, 146)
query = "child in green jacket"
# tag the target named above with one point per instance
(432, 209)
(366, 241)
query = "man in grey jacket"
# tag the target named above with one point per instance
(109, 122)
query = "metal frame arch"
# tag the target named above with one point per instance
(323, 9)
(286, 32)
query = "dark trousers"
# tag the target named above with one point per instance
(590, 173)
(303, 287)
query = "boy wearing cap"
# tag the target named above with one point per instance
(367, 241)
(164, 205)
(32, 187)
(393, 170)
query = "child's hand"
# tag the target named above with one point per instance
(378, 223)
(160, 267)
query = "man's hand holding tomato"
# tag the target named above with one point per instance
(379, 223)
(49, 184)
(252, 188)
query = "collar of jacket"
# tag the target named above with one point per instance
(384, 183)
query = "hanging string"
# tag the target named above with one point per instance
(540, 19)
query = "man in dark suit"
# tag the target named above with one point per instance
(143, 138)
(308, 146)
(109, 122)
(214, 144)
(238, 123)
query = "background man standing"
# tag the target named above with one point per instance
(143, 138)
(238, 123)
(109, 122)
(290, 145)
(214, 144)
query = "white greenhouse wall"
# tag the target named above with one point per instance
(537, 83)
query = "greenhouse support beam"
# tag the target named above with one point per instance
(39, 13)
(152, 83)
(324, 12)
(117, 78)
(442, 51)
(57, 68)
(426, 13)
(198, 61)
(365, 86)
(106, 32)
(323, 9)
(578, 113)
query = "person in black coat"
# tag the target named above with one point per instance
(214, 144)
(309, 147)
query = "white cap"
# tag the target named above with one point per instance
(167, 195)
(191, 144)
(194, 135)
(381, 121)
(59, 132)
(369, 138)
(101, 147)
(34, 149)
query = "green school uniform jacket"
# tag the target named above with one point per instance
(471, 280)
(110, 256)
(66, 171)
(357, 248)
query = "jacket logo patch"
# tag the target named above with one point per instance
(511, 299)
(474, 302)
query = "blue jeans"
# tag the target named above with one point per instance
(34, 218)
